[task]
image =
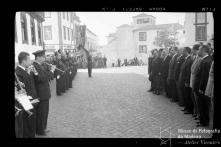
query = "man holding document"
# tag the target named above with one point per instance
(25, 75)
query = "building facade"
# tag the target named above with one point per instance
(61, 31)
(137, 39)
(199, 27)
(28, 32)
(91, 42)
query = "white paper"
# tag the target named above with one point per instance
(24, 101)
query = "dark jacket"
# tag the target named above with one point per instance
(185, 71)
(165, 66)
(156, 66)
(150, 59)
(172, 67)
(178, 65)
(28, 80)
(203, 74)
(42, 83)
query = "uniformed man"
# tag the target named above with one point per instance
(89, 65)
(26, 75)
(43, 92)
(59, 75)
(63, 59)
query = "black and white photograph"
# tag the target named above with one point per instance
(114, 74)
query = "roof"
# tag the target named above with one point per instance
(161, 26)
(91, 32)
(143, 15)
(123, 25)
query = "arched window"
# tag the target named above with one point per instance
(24, 28)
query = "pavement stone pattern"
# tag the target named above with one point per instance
(114, 103)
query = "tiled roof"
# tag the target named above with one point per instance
(143, 15)
(161, 26)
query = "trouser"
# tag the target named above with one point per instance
(58, 86)
(166, 86)
(188, 103)
(42, 116)
(204, 103)
(173, 89)
(70, 80)
(67, 80)
(89, 72)
(29, 124)
(19, 125)
(180, 92)
(194, 96)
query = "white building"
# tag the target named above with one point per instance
(60, 31)
(137, 39)
(91, 42)
(199, 27)
(28, 32)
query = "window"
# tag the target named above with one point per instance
(139, 21)
(68, 33)
(48, 32)
(200, 18)
(142, 36)
(67, 16)
(201, 27)
(64, 29)
(33, 36)
(142, 49)
(63, 15)
(146, 20)
(24, 28)
(39, 34)
(47, 14)
(201, 33)
(16, 37)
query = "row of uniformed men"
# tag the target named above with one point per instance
(35, 78)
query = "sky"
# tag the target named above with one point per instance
(104, 23)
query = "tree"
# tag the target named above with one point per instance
(166, 38)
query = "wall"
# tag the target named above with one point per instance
(19, 46)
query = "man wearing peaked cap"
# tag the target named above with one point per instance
(39, 53)
(43, 92)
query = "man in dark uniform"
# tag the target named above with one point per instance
(201, 80)
(63, 59)
(26, 76)
(150, 60)
(184, 81)
(170, 79)
(43, 92)
(156, 72)
(165, 69)
(89, 65)
(59, 75)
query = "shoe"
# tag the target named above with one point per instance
(202, 125)
(150, 90)
(47, 131)
(186, 112)
(41, 134)
(194, 115)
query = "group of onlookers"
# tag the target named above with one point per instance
(186, 76)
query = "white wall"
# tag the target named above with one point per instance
(125, 43)
(19, 46)
(151, 34)
(53, 21)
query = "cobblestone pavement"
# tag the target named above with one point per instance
(115, 104)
